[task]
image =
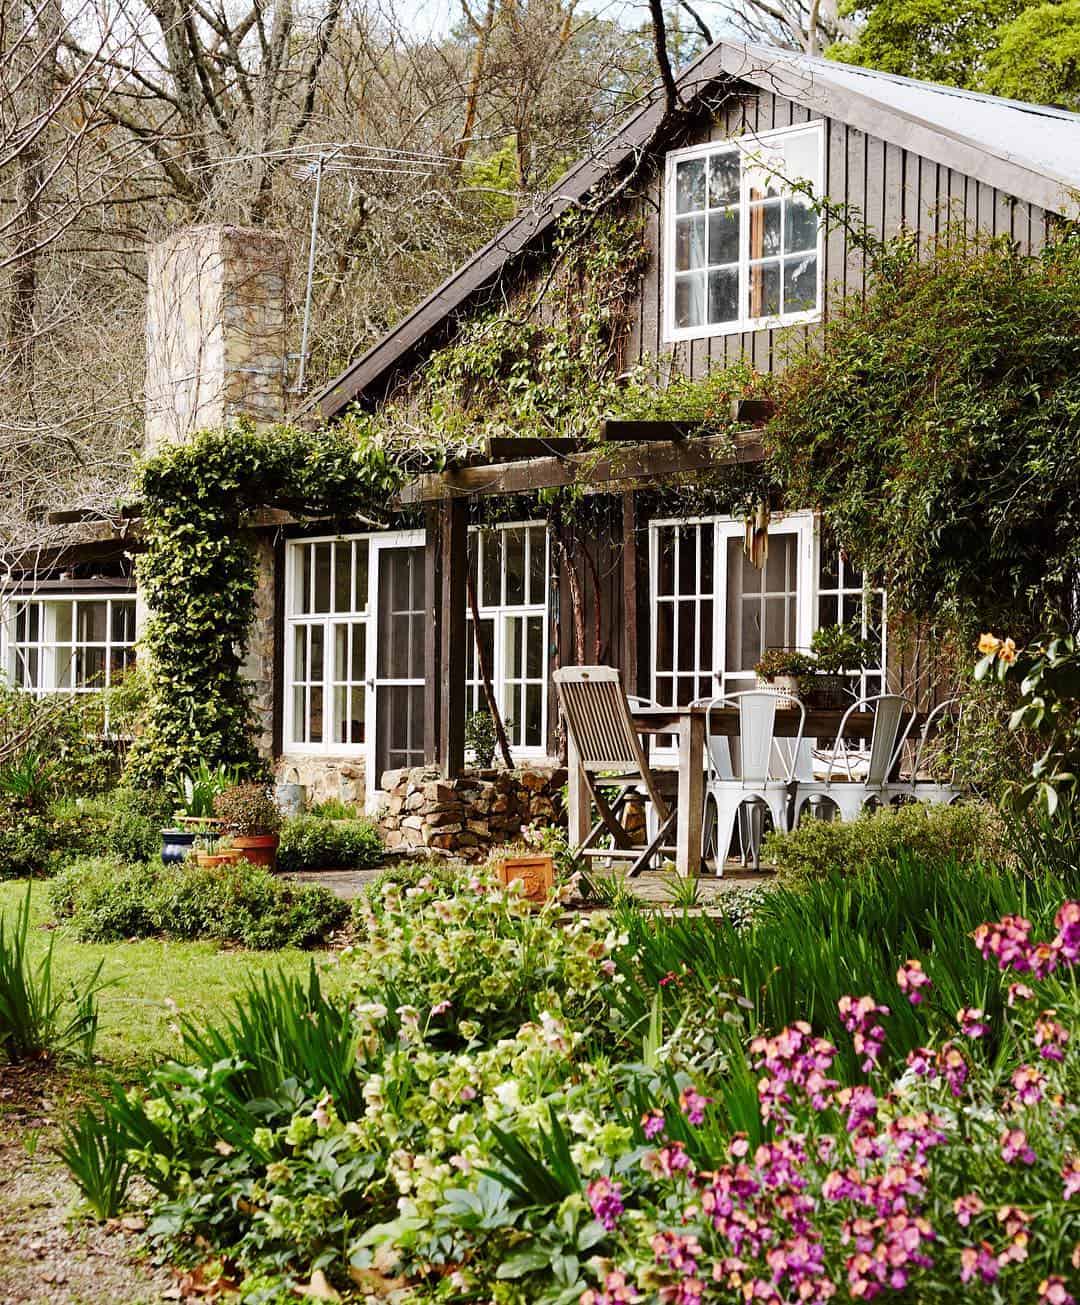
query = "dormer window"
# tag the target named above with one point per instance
(742, 240)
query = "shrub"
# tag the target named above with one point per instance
(311, 843)
(247, 810)
(25, 845)
(480, 738)
(968, 833)
(124, 824)
(106, 900)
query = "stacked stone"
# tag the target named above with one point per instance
(466, 817)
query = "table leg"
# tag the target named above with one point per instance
(577, 797)
(691, 794)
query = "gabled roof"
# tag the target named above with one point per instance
(1029, 151)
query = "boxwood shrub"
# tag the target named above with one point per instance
(106, 900)
(313, 843)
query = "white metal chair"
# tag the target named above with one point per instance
(933, 791)
(853, 778)
(610, 757)
(726, 793)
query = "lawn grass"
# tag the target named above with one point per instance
(144, 977)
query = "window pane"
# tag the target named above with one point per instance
(357, 715)
(534, 648)
(688, 560)
(724, 178)
(315, 714)
(800, 227)
(514, 552)
(765, 230)
(360, 578)
(724, 295)
(300, 653)
(123, 622)
(537, 565)
(63, 668)
(299, 715)
(343, 586)
(802, 156)
(341, 652)
(359, 652)
(92, 622)
(665, 556)
(512, 661)
(90, 668)
(765, 290)
(322, 577)
(533, 716)
(304, 556)
(707, 542)
(316, 664)
(705, 620)
(800, 283)
(827, 610)
(690, 185)
(62, 622)
(724, 236)
(689, 300)
(665, 638)
(491, 595)
(689, 243)
(687, 640)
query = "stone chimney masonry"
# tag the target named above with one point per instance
(215, 331)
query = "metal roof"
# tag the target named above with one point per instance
(1028, 151)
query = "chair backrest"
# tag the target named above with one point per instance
(598, 716)
(887, 738)
(757, 729)
(951, 706)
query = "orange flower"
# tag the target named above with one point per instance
(989, 643)
(1007, 652)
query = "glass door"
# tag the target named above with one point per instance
(770, 608)
(396, 652)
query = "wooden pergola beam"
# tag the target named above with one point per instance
(621, 470)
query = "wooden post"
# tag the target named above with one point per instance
(433, 634)
(630, 594)
(455, 562)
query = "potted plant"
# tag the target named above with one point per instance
(212, 848)
(247, 813)
(838, 651)
(784, 669)
(193, 816)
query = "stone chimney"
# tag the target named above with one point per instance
(215, 331)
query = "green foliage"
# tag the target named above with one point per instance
(247, 810)
(34, 1017)
(480, 737)
(26, 845)
(784, 661)
(336, 809)
(106, 901)
(93, 1150)
(198, 574)
(125, 824)
(935, 430)
(839, 648)
(315, 843)
(1037, 55)
(197, 789)
(967, 832)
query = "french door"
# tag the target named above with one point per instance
(714, 613)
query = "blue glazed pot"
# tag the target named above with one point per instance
(176, 845)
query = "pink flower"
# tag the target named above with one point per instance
(1067, 942)
(1014, 1147)
(923, 1061)
(1052, 1291)
(1050, 1036)
(652, 1123)
(1029, 1084)
(1020, 992)
(966, 1208)
(693, 1104)
(605, 1201)
(859, 1016)
(1071, 1176)
(861, 1105)
(978, 1261)
(912, 979)
(617, 1289)
(1006, 941)
(971, 1022)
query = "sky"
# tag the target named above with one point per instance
(432, 17)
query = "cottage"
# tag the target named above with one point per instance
(365, 652)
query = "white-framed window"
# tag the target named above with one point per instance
(742, 244)
(67, 643)
(844, 598)
(509, 567)
(326, 653)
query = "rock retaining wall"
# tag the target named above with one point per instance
(466, 817)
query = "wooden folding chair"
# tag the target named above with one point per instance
(610, 757)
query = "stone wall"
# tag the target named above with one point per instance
(258, 668)
(466, 817)
(324, 777)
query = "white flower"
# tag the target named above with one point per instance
(508, 1094)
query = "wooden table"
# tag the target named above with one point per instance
(687, 724)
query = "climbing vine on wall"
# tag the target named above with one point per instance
(198, 572)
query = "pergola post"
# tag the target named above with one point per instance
(454, 562)
(433, 634)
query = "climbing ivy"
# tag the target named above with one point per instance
(198, 573)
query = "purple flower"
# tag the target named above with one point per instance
(1050, 1036)
(1071, 1177)
(979, 1262)
(652, 1123)
(912, 978)
(1067, 942)
(693, 1104)
(971, 1021)
(1029, 1084)
(1014, 1147)
(859, 1015)
(605, 1200)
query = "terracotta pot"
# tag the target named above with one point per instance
(258, 849)
(214, 858)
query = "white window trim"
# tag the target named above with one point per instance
(823, 590)
(497, 613)
(48, 646)
(748, 146)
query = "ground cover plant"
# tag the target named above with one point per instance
(490, 1110)
(314, 842)
(106, 900)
